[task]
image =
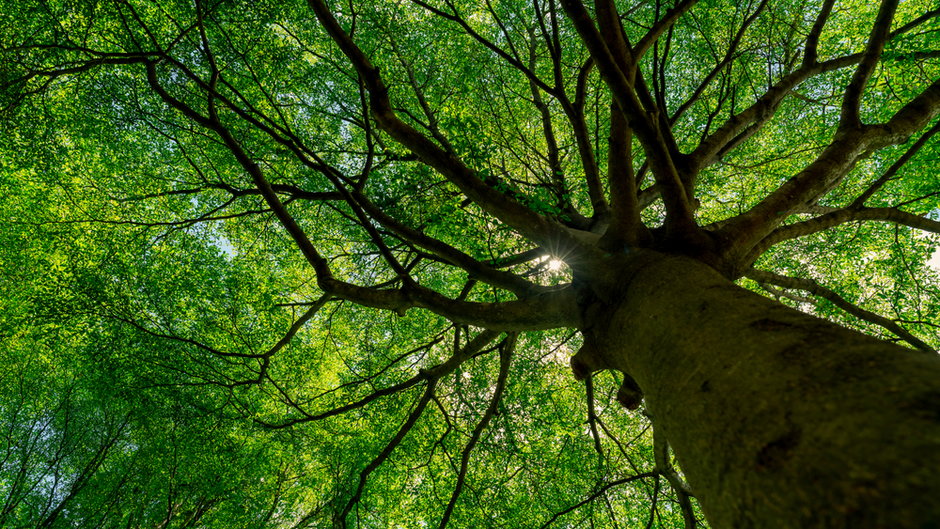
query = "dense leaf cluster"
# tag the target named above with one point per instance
(290, 264)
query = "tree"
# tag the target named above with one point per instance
(352, 246)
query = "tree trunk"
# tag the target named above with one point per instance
(778, 419)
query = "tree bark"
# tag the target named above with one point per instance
(779, 419)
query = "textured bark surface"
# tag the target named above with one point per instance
(779, 419)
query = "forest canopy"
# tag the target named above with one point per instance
(326, 264)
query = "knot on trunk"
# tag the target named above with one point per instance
(588, 360)
(597, 304)
(595, 314)
(629, 395)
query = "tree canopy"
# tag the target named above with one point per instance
(325, 264)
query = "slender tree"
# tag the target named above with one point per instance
(356, 246)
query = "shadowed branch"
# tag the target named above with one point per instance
(811, 286)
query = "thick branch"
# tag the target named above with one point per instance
(744, 124)
(679, 221)
(625, 219)
(913, 116)
(849, 117)
(812, 40)
(743, 232)
(892, 171)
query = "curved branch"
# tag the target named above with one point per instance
(447, 253)
(527, 222)
(505, 355)
(751, 119)
(746, 230)
(842, 216)
(357, 199)
(745, 123)
(599, 492)
(811, 286)
(849, 117)
(661, 25)
(574, 111)
(542, 311)
(387, 451)
(435, 373)
(559, 185)
(645, 122)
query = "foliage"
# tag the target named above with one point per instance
(284, 264)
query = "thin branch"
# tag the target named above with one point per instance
(730, 55)
(357, 199)
(445, 252)
(592, 414)
(512, 59)
(301, 321)
(556, 177)
(843, 216)
(811, 286)
(502, 206)
(574, 111)
(505, 356)
(599, 492)
(665, 468)
(474, 347)
(778, 293)
(892, 171)
(387, 451)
